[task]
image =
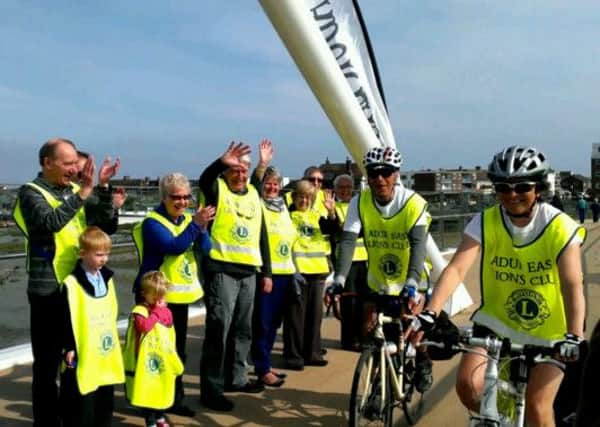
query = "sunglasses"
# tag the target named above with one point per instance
(383, 172)
(176, 197)
(315, 179)
(517, 187)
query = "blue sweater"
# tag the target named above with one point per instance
(159, 242)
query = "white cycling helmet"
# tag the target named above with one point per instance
(382, 156)
(519, 162)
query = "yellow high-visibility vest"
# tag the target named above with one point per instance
(235, 233)
(386, 240)
(282, 235)
(520, 285)
(150, 374)
(360, 252)
(66, 240)
(181, 270)
(94, 320)
(311, 249)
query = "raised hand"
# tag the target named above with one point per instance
(107, 171)
(86, 178)
(118, 197)
(204, 215)
(265, 152)
(231, 157)
(329, 203)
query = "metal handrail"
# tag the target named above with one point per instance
(440, 218)
(4, 257)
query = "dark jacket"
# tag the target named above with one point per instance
(209, 188)
(43, 221)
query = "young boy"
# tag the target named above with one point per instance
(151, 359)
(92, 354)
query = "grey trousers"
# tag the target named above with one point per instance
(229, 303)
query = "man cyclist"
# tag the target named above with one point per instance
(394, 222)
(531, 279)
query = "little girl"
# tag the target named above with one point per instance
(151, 361)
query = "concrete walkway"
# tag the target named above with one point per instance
(314, 397)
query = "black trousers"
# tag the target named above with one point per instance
(180, 323)
(302, 325)
(46, 328)
(94, 409)
(351, 306)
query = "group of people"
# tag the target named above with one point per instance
(260, 259)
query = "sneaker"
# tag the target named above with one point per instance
(162, 422)
(423, 378)
(217, 403)
(249, 387)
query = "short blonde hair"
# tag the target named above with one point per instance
(170, 181)
(304, 186)
(154, 283)
(93, 239)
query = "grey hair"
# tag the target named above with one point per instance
(271, 171)
(342, 177)
(169, 181)
(245, 159)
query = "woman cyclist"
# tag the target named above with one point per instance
(531, 279)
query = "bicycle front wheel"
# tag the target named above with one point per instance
(413, 402)
(368, 406)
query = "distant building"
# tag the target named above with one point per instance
(451, 180)
(575, 183)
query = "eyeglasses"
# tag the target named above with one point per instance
(177, 197)
(517, 187)
(383, 172)
(315, 179)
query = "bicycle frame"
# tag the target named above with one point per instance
(387, 350)
(488, 410)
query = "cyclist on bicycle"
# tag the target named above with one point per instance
(531, 279)
(394, 221)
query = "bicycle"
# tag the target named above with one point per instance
(512, 414)
(384, 374)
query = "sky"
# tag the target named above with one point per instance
(165, 85)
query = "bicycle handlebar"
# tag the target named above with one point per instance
(498, 346)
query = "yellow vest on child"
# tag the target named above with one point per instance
(94, 320)
(150, 373)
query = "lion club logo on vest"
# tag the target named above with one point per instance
(185, 269)
(307, 230)
(154, 363)
(390, 265)
(527, 307)
(240, 233)
(107, 342)
(283, 249)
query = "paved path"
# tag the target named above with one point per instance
(314, 397)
